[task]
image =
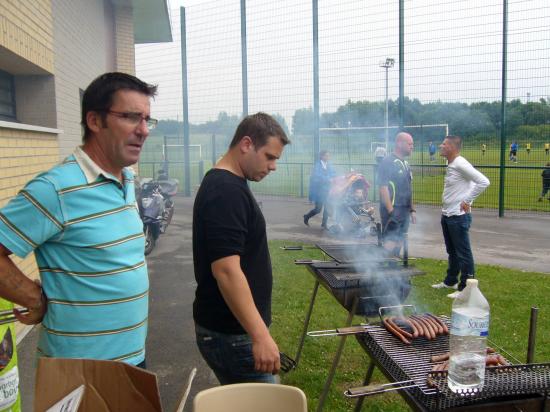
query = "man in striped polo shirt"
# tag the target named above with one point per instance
(81, 221)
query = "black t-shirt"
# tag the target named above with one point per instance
(227, 221)
(397, 176)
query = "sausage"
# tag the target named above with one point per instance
(391, 321)
(395, 332)
(502, 361)
(413, 327)
(440, 358)
(490, 350)
(429, 332)
(439, 322)
(492, 360)
(418, 326)
(435, 326)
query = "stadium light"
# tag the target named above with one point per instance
(388, 64)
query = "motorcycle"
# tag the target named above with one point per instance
(156, 207)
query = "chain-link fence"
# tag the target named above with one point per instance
(345, 76)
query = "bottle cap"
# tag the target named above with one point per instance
(471, 282)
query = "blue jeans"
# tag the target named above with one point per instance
(457, 241)
(230, 357)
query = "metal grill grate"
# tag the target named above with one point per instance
(356, 252)
(412, 362)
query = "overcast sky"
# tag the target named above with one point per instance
(452, 53)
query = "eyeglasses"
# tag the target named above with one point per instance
(135, 118)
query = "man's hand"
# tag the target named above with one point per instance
(266, 355)
(36, 312)
(413, 217)
(465, 207)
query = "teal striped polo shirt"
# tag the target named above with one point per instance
(84, 228)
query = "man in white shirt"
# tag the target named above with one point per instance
(463, 184)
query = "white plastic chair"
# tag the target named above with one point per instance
(251, 397)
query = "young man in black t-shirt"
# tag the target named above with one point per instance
(232, 307)
(395, 181)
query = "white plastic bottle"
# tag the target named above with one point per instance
(468, 340)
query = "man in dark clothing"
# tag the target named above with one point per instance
(319, 186)
(545, 182)
(232, 307)
(396, 207)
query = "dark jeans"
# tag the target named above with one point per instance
(545, 189)
(230, 357)
(316, 210)
(457, 241)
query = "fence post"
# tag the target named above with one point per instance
(316, 139)
(201, 170)
(503, 108)
(185, 98)
(301, 180)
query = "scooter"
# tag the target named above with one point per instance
(156, 207)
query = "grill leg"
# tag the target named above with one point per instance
(306, 323)
(368, 377)
(336, 359)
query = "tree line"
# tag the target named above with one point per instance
(473, 121)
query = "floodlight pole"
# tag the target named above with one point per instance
(387, 65)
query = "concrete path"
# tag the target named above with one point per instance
(517, 242)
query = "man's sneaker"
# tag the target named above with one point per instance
(306, 220)
(443, 285)
(454, 295)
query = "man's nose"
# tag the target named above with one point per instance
(142, 128)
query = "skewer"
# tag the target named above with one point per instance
(7, 316)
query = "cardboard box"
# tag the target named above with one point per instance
(108, 385)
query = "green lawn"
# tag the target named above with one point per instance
(511, 294)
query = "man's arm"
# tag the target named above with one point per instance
(18, 288)
(236, 293)
(385, 198)
(480, 184)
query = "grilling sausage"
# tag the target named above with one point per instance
(439, 322)
(439, 358)
(395, 332)
(428, 330)
(391, 321)
(438, 329)
(418, 326)
(411, 325)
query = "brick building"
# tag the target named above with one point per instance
(50, 50)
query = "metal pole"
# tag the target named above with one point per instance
(386, 112)
(532, 335)
(186, 161)
(503, 108)
(244, 58)
(213, 149)
(401, 64)
(316, 139)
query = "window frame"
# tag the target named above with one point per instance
(11, 89)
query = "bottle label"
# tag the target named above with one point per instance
(462, 325)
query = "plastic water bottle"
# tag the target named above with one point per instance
(468, 340)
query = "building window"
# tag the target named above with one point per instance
(7, 97)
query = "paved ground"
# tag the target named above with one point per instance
(518, 242)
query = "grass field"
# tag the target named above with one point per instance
(523, 182)
(510, 293)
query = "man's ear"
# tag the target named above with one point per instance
(94, 121)
(246, 144)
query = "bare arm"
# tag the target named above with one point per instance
(236, 293)
(18, 288)
(385, 198)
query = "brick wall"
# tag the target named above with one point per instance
(124, 35)
(26, 30)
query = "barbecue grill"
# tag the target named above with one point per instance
(362, 277)
(522, 387)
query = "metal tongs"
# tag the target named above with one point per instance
(7, 316)
(349, 330)
(287, 363)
